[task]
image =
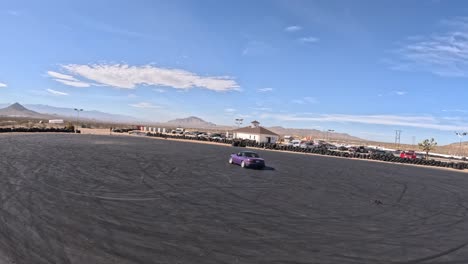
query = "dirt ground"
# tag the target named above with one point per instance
(71, 198)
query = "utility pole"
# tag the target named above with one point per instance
(461, 135)
(78, 110)
(397, 138)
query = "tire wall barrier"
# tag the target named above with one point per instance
(321, 151)
(35, 130)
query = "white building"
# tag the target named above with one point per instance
(56, 121)
(257, 133)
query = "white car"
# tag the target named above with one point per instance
(296, 143)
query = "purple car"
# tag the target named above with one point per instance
(247, 159)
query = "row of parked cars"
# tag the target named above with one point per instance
(199, 134)
(410, 154)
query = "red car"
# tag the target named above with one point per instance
(408, 154)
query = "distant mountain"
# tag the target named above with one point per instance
(17, 110)
(314, 133)
(192, 122)
(90, 115)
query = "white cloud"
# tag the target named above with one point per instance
(230, 110)
(262, 108)
(144, 105)
(62, 76)
(309, 40)
(400, 93)
(428, 122)
(264, 90)
(67, 79)
(128, 77)
(442, 53)
(159, 90)
(455, 110)
(293, 28)
(54, 92)
(305, 100)
(73, 83)
(132, 96)
(2, 85)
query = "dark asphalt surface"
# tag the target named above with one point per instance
(110, 199)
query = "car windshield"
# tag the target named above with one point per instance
(251, 155)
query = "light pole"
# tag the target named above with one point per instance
(329, 131)
(239, 122)
(460, 135)
(78, 110)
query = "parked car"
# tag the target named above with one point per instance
(247, 159)
(360, 149)
(307, 145)
(202, 135)
(331, 147)
(296, 143)
(408, 154)
(191, 134)
(216, 136)
(380, 152)
(342, 148)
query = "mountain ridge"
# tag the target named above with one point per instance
(18, 110)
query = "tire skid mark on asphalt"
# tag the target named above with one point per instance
(22, 175)
(249, 221)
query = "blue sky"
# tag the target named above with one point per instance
(362, 67)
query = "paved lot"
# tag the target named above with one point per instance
(108, 199)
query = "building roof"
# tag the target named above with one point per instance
(255, 130)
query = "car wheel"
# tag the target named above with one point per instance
(243, 164)
(230, 160)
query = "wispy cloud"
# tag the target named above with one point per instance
(293, 28)
(305, 100)
(230, 110)
(128, 77)
(443, 53)
(309, 40)
(262, 108)
(67, 79)
(13, 12)
(264, 90)
(401, 93)
(256, 48)
(428, 122)
(372, 133)
(73, 83)
(61, 76)
(244, 116)
(117, 29)
(455, 111)
(144, 105)
(55, 92)
(3, 85)
(159, 90)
